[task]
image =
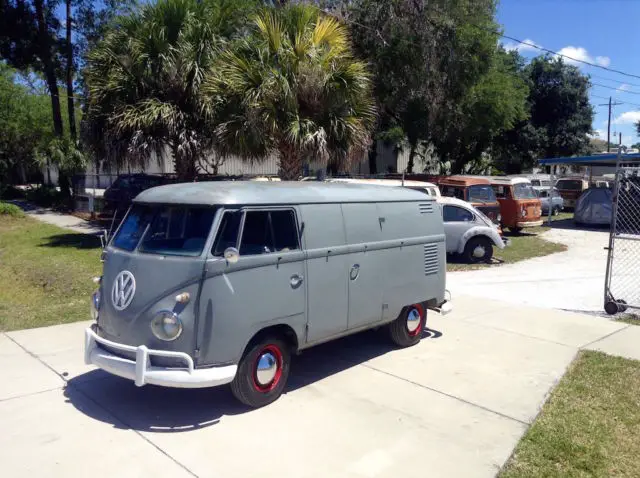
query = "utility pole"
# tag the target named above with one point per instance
(609, 124)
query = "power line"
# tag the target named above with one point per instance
(630, 75)
(621, 102)
(613, 80)
(616, 89)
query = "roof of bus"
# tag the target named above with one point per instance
(460, 180)
(383, 182)
(284, 192)
(509, 180)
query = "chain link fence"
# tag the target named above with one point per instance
(622, 287)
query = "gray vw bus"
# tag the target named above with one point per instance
(206, 284)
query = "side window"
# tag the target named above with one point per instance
(227, 232)
(502, 192)
(265, 232)
(456, 214)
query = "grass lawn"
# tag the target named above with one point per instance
(45, 273)
(523, 246)
(632, 319)
(589, 426)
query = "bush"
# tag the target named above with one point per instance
(45, 197)
(10, 192)
(7, 209)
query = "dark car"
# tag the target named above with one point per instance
(118, 197)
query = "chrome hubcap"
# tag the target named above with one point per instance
(478, 252)
(266, 368)
(413, 320)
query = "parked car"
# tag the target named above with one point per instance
(429, 189)
(570, 189)
(475, 190)
(469, 232)
(206, 284)
(557, 203)
(120, 194)
(519, 203)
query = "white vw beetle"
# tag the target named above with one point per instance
(468, 231)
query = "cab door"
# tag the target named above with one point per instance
(266, 286)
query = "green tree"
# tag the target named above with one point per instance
(25, 126)
(144, 81)
(292, 88)
(560, 116)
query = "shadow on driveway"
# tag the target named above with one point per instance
(171, 410)
(571, 225)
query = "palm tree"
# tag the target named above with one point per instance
(144, 78)
(292, 88)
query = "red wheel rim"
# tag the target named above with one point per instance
(270, 350)
(418, 308)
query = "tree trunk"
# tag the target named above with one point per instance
(70, 102)
(184, 164)
(410, 163)
(290, 166)
(373, 156)
(46, 56)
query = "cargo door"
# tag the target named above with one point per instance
(328, 263)
(363, 230)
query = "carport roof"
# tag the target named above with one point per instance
(596, 160)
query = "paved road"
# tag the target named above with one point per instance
(571, 280)
(455, 405)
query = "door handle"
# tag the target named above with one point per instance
(354, 272)
(296, 280)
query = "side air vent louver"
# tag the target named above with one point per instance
(430, 259)
(425, 207)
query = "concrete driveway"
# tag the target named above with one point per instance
(453, 406)
(571, 280)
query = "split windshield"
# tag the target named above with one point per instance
(165, 230)
(524, 191)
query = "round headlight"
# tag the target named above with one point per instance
(95, 304)
(166, 325)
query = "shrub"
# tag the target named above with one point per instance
(8, 209)
(45, 196)
(10, 192)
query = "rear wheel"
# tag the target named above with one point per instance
(516, 230)
(262, 373)
(407, 329)
(478, 249)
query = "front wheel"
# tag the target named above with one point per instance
(478, 249)
(262, 373)
(407, 329)
(556, 211)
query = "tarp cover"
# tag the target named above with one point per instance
(594, 207)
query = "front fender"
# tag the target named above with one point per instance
(486, 231)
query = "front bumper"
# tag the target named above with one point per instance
(142, 372)
(529, 223)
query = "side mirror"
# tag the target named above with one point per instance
(231, 255)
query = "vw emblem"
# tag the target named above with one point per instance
(124, 288)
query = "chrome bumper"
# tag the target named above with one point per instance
(142, 372)
(529, 223)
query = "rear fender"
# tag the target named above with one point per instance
(486, 231)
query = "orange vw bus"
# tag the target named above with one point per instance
(473, 189)
(520, 206)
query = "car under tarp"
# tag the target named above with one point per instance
(594, 207)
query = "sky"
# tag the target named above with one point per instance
(603, 32)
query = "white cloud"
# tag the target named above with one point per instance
(628, 140)
(526, 45)
(623, 87)
(575, 54)
(628, 117)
